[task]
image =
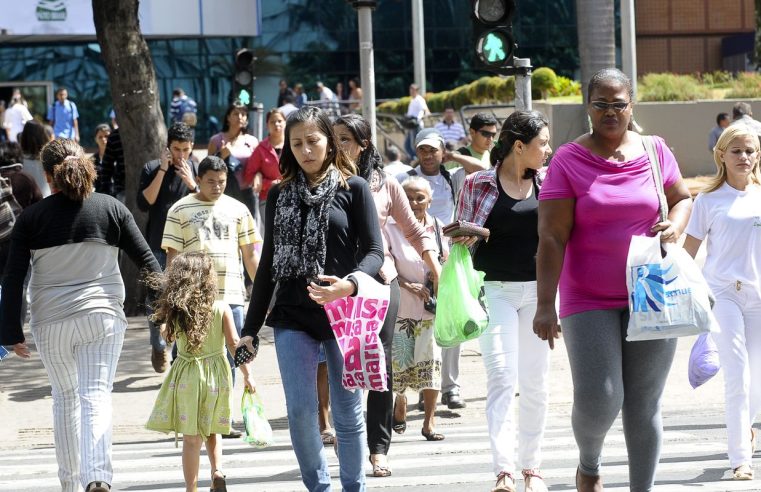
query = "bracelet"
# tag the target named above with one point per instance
(164, 170)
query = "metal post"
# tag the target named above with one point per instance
(522, 83)
(367, 66)
(418, 45)
(629, 42)
(256, 117)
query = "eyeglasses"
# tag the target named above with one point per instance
(603, 106)
(487, 134)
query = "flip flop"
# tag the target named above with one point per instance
(379, 470)
(432, 436)
(399, 426)
(328, 437)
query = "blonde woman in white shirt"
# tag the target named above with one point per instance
(728, 216)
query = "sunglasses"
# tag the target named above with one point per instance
(487, 134)
(603, 106)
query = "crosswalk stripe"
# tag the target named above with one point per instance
(463, 457)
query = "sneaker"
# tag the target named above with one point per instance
(452, 400)
(743, 472)
(505, 483)
(533, 481)
(159, 360)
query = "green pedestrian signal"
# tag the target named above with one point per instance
(493, 34)
(243, 77)
(244, 97)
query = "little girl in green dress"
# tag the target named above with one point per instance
(194, 399)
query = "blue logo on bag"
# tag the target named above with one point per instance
(649, 290)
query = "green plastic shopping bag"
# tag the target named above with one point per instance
(461, 310)
(258, 430)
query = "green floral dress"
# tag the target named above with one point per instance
(195, 396)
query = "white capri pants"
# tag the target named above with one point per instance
(80, 356)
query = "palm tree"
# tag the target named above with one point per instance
(597, 42)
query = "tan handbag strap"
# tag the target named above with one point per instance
(655, 167)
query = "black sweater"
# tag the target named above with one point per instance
(57, 221)
(354, 243)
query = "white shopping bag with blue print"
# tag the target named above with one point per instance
(668, 296)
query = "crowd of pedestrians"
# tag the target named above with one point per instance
(305, 215)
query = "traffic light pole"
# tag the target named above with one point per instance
(367, 64)
(522, 83)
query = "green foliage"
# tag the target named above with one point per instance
(671, 87)
(716, 79)
(482, 91)
(565, 87)
(746, 85)
(543, 80)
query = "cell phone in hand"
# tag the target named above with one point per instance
(4, 352)
(243, 356)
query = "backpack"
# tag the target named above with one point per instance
(9, 209)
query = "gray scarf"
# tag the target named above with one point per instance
(300, 251)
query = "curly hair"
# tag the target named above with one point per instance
(73, 173)
(187, 290)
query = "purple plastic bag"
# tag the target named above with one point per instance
(704, 360)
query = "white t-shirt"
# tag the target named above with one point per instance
(15, 118)
(396, 167)
(731, 221)
(417, 107)
(442, 205)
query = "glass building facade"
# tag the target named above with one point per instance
(302, 41)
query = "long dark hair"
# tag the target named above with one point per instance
(289, 165)
(72, 172)
(235, 106)
(33, 138)
(520, 125)
(369, 158)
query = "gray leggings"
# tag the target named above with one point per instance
(610, 374)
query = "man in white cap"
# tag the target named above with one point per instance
(429, 148)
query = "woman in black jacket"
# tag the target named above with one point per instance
(321, 226)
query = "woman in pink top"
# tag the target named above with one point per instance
(598, 193)
(263, 168)
(354, 134)
(235, 146)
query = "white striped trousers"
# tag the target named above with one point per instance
(80, 356)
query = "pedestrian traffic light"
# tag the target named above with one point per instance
(243, 80)
(493, 34)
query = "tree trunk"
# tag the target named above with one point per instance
(595, 23)
(136, 101)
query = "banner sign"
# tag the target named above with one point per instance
(178, 18)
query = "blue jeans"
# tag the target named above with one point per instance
(297, 357)
(238, 318)
(157, 342)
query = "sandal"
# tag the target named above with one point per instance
(400, 426)
(505, 483)
(218, 484)
(432, 436)
(533, 481)
(98, 486)
(328, 437)
(742, 472)
(378, 469)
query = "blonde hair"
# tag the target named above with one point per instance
(187, 289)
(727, 137)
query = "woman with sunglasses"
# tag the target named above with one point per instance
(598, 193)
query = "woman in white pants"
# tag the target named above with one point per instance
(504, 199)
(72, 239)
(728, 216)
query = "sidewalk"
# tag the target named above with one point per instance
(25, 402)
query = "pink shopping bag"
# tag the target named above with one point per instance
(356, 323)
